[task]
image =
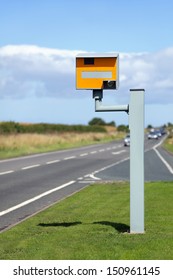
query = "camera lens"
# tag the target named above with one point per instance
(109, 84)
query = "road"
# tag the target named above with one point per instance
(30, 184)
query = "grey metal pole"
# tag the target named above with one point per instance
(136, 123)
(114, 108)
(99, 107)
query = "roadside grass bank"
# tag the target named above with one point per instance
(14, 145)
(168, 144)
(94, 224)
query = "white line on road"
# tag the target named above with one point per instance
(109, 166)
(120, 152)
(82, 155)
(53, 161)
(94, 177)
(160, 143)
(6, 172)
(67, 158)
(87, 175)
(163, 160)
(35, 198)
(30, 166)
(160, 156)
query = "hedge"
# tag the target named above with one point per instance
(44, 128)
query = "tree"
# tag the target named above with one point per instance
(149, 126)
(112, 123)
(97, 121)
(123, 128)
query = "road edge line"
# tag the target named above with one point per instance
(163, 160)
(11, 209)
(160, 156)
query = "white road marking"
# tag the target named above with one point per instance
(30, 166)
(94, 177)
(6, 172)
(160, 143)
(120, 152)
(53, 161)
(160, 156)
(94, 152)
(163, 160)
(67, 158)
(82, 155)
(102, 150)
(35, 198)
(109, 166)
(87, 175)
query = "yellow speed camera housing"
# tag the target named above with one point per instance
(97, 71)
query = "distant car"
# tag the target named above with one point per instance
(158, 132)
(153, 135)
(163, 131)
(127, 140)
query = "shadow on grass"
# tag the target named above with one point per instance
(59, 224)
(121, 228)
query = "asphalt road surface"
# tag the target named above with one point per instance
(30, 184)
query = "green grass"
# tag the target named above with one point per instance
(168, 143)
(168, 146)
(94, 224)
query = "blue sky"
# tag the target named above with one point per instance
(39, 42)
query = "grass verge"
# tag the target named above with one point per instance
(168, 144)
(93, 224)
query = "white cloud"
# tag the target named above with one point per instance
(32, 70)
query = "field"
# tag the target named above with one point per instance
(19, 144)
(94, 224)
(23, 139)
